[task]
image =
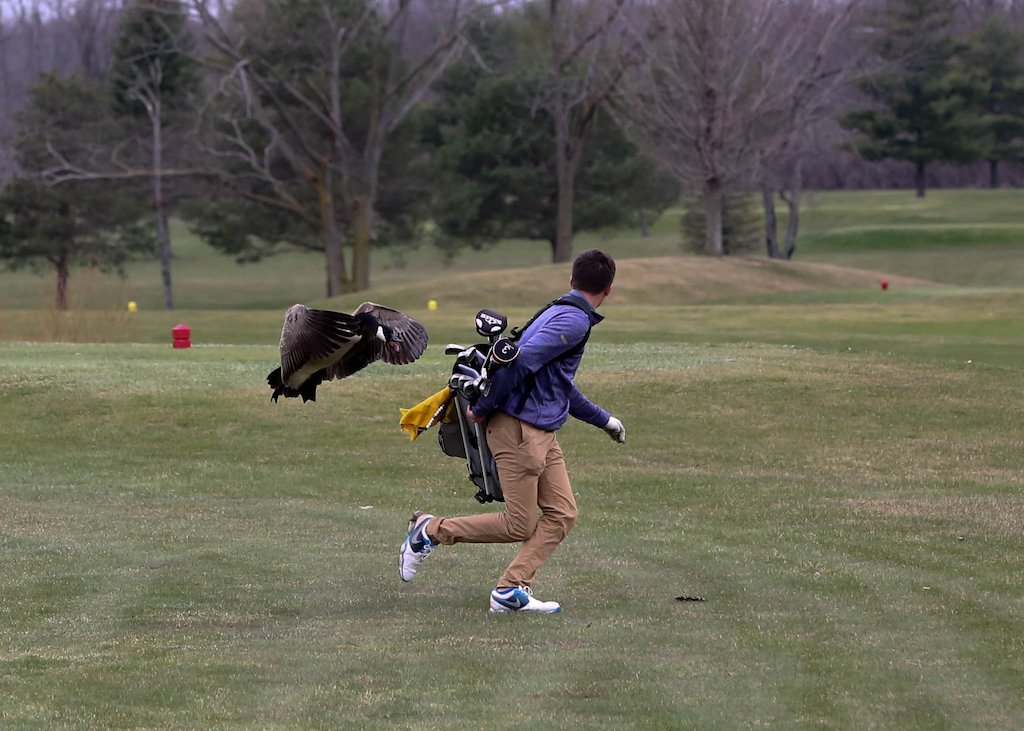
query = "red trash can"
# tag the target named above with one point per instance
(182, 335)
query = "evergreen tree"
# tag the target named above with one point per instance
(618, 185)
(924, 108)
(741, 224)
(494, 162)
(74, 223)
(494, 167)
(153, 58)
(995, 55)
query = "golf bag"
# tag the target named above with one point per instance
(461, 438)
(470, 379)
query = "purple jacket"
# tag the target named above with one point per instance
(554, 396)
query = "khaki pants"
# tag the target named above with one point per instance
(532, 473)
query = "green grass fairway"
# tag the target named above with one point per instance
(962, 237)
(835, 468)
(841, 484)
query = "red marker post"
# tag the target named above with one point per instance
(182, 335)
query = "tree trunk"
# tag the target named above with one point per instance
(713, 245)
(566, 194)
(561, 249)
(61, 265)
(919, 169)
(771, 236)
(163, 232)
(362, 230)
(5, 72)
(793, 227)
(335, 284)
(567, 160)
(163, 235)
(993, 174)
(796, 187)
(331, 238)
(360, 193)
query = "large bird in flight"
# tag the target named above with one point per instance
(320, 345)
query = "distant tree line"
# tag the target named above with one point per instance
(347, 126)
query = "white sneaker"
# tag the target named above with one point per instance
(520, 599)
(417, 546)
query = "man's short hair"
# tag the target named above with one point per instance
(593, 272)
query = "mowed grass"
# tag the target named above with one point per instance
(955, 237)
(179, 552)
(963, 237)
(836, 469)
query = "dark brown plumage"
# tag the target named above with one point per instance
(320, 345)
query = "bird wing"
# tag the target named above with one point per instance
(357, 357)
(314, 338)
(408, 337)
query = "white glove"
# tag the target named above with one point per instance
(615, 430)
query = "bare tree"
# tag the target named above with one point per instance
(723, 88)
(332, 142)
(153, 73)
(32, 23)
(5, 72)
(587, 59)
(7, 165)
(783, 175)
(825, 61)
(974, 12)
(57, 35)
(92, 26)
(48, 35)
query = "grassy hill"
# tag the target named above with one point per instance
(662, 280)
(966, 238)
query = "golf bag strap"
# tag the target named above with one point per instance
(531, 380)
(517, 332)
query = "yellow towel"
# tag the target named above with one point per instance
(426, 413)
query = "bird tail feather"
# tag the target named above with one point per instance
(275, 382)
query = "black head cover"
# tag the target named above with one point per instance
(490, 324)
(504, 352)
